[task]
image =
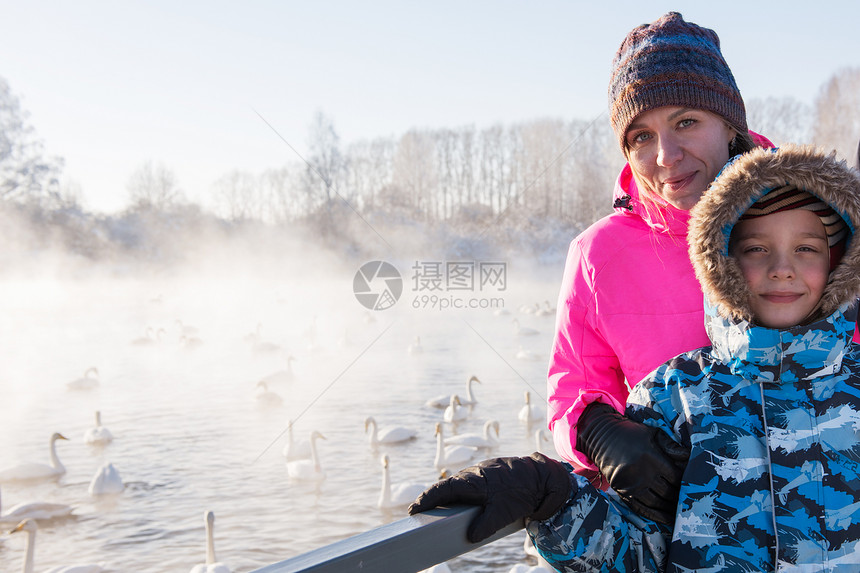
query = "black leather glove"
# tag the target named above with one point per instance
(642, 464)
(507, 488)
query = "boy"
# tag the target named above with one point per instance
(770, 411)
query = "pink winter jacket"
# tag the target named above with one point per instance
(629, 302)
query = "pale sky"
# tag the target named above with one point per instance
(110, 85)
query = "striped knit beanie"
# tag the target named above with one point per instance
(789, 197)
(672, 62)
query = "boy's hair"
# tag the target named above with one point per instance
(789, 197)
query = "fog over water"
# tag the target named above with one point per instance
(190, 433)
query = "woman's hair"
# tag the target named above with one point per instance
(741, 143)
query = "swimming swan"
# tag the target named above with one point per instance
(444, 401)
(34, 471)
(485, 440)
(450, 455)
(267, 398)
(523, 330)
(307, 470)
(88, 381)
(99, 435)
(398, 495)
(211, 565)
(40, 510)
(415, 347)
(388, 434)
(29, 526)
(529, 413)
(296, 449)
(542, 436)
(106, 481)
(281, 376)
(455, 412)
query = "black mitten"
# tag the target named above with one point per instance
(507, 488)
(642, 464)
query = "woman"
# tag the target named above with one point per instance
(629, 299)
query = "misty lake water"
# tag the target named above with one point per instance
(190, 434)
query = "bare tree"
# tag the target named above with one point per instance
(837, 113)
(280, 190)
(153, 185)
(782, 120)
(415, 171)
(238, 197)
(326, 168)
(25, 173)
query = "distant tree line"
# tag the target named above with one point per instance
(500, 181)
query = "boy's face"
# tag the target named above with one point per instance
(786, 261)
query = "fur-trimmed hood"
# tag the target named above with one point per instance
(740, 184)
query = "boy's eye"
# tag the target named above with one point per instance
(686, 122)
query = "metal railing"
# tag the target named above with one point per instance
(404, 546)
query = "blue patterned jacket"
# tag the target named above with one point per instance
(771, 418)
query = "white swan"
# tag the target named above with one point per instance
(450, 455)
(259, 345)
(189, 342)
(455, 412)
(211, 565)
(523, 354)
(542, 436)
(296, 449)
(485, 440)
(281, 376)
(43, 511)
(186, 330)
(529, 413)
(254, 336)
(88, 381)
(388, 434)
(150, 337)
(106, 481)
(34, 471)
(99, 435)
(307, 470)
(29, 526)
(546, 310)
(398, 495)
(444, 401)
(415, 347)
(147, 338)
(266, 397)
(529, 308)
(523, 330)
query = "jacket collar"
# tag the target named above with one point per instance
(766, 355)
(663, 218)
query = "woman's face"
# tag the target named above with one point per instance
(678, 151)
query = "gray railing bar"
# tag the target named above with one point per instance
(404, 546)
